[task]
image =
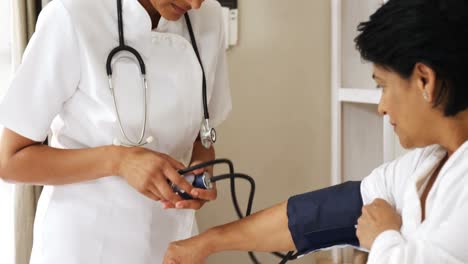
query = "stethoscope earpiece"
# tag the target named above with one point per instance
(118, 142)
(149, 139)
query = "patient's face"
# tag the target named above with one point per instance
(402, 100)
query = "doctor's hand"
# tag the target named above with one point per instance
(148, 171)
(201, 196)
(377, 217)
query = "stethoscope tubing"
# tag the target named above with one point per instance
(125, 48)
(197, 53)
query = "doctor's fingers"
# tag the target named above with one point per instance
(174, 163)
(167, 205)
(197, 171)
(151, 195)
(167, 194)
(152, 191)
(207, 195)
(177, 179)
(203, 197)
(190, 204)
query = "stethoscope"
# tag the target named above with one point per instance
(207, 133)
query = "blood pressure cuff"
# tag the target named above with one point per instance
(325, 218)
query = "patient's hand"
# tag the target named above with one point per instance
(190, 251)
(377, 217)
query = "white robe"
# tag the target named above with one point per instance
(442, 237)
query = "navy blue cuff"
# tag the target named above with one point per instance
(325, 218)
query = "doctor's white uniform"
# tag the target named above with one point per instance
(442, 237)
(62, 88)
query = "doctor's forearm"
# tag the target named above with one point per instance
(265, 231)
(40, 164)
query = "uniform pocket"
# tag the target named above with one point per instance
(70, 234)
(127, 233)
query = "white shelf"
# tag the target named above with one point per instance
(363, 96)
(362, 134)
(361, 138)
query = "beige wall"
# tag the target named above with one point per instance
(279, 130)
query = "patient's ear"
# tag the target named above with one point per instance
(426, 81)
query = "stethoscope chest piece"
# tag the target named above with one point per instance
(207, 134)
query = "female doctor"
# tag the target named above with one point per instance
(415, 208)
(120, 125)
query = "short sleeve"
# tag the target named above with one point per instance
(389, 181)
(47, 77)
(220, 104)
(376, 185)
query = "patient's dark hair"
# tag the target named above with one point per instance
(434, 32)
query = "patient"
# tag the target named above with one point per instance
(411, 210)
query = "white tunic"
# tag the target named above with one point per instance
(443, 236)
(62, 83)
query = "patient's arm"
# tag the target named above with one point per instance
(307, 222)
(265, 231)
